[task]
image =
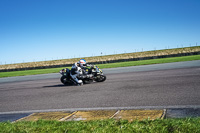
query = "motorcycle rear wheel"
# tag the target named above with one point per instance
(65, 81)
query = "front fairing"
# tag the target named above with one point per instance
(99, 70)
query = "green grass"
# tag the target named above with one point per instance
(184, 125)
(29, 72)
(110, 65)
(151, 61)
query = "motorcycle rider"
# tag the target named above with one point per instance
(78, 70)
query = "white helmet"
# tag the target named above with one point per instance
(82, 61)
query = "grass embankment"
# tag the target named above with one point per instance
(110, 65)
(184, 125)
(107, 58)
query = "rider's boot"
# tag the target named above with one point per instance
(77, 82)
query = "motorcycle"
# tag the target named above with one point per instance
(94, 73)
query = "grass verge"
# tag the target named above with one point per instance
(110, 65)
(184, 125)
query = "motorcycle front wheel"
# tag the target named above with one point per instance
(101, 78)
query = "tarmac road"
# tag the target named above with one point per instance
(162, 85)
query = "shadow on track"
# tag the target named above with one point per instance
(60, 85)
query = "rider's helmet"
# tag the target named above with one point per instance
(82, 62)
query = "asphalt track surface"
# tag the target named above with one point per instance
(169, 85)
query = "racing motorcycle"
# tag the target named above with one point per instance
(94, 72)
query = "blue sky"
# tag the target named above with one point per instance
(38, 30)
